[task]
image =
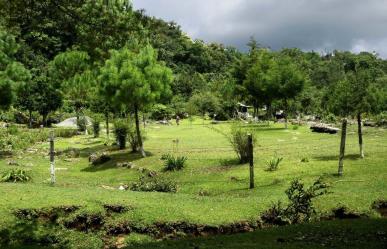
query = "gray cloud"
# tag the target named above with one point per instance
(320, 25)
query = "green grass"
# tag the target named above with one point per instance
(211, 168)
(355, 234)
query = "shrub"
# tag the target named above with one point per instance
(96, 127)
(160, 112)
(381, 119)
(275, 215)
(295, 127)
(65, 132)
(154, 184)
(239, 141)
(172, 163)
(15, 175)
(304, 160)
(121, 131)
(82, 123)
(300, 207)
(13, 130)
(330, 118)
(273, 163)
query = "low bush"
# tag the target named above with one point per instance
(15, 175)
(121, 131)
(96, 127)
(154, 184)
(65, 132)
(239, 141)
(173, 163)
(82, 123)
(273, 163)
(300, 207)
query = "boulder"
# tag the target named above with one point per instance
(324, 128)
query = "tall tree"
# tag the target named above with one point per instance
(135, 79)
(290, 81)
(12, 73)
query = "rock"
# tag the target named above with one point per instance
(123, 187)
(128, 165)
(107, 187)
(369, 123)
(13, 163)
(99, 158)
(152, 173)
(324, 128)
(29, 164)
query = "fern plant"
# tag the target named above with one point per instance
(273, 163)
(15, 175)
(172, 163)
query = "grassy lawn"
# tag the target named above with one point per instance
(211, 169)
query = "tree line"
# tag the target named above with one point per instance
(108, 58)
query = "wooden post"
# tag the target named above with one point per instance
(342, 146)
(52, 158)
(360, 134)
(251, 159)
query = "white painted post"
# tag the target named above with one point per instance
(52, 158)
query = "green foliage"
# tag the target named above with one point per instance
(205, 102)
(96, 127)
(15, 175)
(273, 163)
(300, 207)
(121, 131)
(160, 112)
(154, 184)
(82, 123)
(239, 141)
(173, 163)
(135, 80)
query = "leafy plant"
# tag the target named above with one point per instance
(273, 163)
(121, 131)
(239, 141)
(96, 127)
(82, 123)
(15, 175)
(300, 207)
(172, 163)
(154, 184)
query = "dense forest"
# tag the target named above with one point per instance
(54, 55)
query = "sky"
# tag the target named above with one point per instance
(319, 25)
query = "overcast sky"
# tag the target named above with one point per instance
(320, 25)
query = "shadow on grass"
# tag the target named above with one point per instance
(229, 162)
(119, 157)
(336, 157)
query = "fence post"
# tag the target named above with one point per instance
(251, 159)
(52, 158)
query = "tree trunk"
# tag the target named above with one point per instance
(268, 112)
(30, 119)
(138, 131)
(286, 113)
(144, 120)
(44, 116)
(107, 124)
(360, 133)
(342, 146)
